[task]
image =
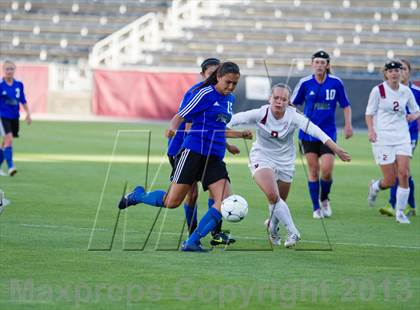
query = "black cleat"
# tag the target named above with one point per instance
(221, 238)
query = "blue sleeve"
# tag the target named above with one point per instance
(199, 101)
(342, 96)
(22, 98)
(298, 95)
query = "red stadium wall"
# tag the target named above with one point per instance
(35, 80)
(149, 95)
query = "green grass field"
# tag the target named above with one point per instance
(66, 186)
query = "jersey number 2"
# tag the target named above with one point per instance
(396, 107)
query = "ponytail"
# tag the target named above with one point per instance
(223, 69)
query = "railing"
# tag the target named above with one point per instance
(127, 45)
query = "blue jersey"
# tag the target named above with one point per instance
(175, 143)
(320, 103)
(10, 97)
(209, 112)
(413, 126)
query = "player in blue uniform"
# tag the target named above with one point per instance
(11, 96)
(320, 92)
(208, 66)
(209, 109)
(414, 136)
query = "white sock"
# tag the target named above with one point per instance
(376, 186)
(274, 222)
(402, 198)
(282, 212)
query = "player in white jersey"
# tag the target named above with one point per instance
(272, 157)
(386, 119)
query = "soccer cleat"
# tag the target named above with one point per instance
(221, 238)
(1, 201)
(372, 194)
(2, 173)
(401, 218)
(326, 208)
(187, 247)
(387, 210)
(128, 200)
(292, 239)
(408, 211)
(317, 214)
(273, 233)
(12, 171)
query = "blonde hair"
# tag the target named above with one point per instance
(9, 62)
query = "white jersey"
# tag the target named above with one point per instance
(275, 136)
(388, 108)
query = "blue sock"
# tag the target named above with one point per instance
(8, 155)
(207, 223)
(210, 202)
(393, 194)
(325, 189)
(411, 200)
(191, 216)
(314, 192)
(1, 156)
(154, 198)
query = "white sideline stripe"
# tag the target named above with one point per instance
(131, 159)
(241, 237)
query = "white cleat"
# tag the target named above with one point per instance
(274, 234)
(3, 201)
(401, 218)
(372, 194)
(292, 239)
(12, 171)
(3, 174)
(317, 214)
(326, 208)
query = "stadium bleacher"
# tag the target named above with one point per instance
(64, 31)
(359, 35)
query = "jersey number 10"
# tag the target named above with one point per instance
(329, 94)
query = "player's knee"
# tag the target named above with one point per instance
(192, 197)
(172, 202)
(7, 141)
(327, 176)
(403, 174)
(313, 175)
(272, 197)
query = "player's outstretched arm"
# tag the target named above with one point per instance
(245, 134)
(341, 153)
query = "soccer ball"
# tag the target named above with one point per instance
(234, 208)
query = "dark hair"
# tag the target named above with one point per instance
(223, 69)
(406, 63)
(392, 65)
(209, 62)
(323, 55)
